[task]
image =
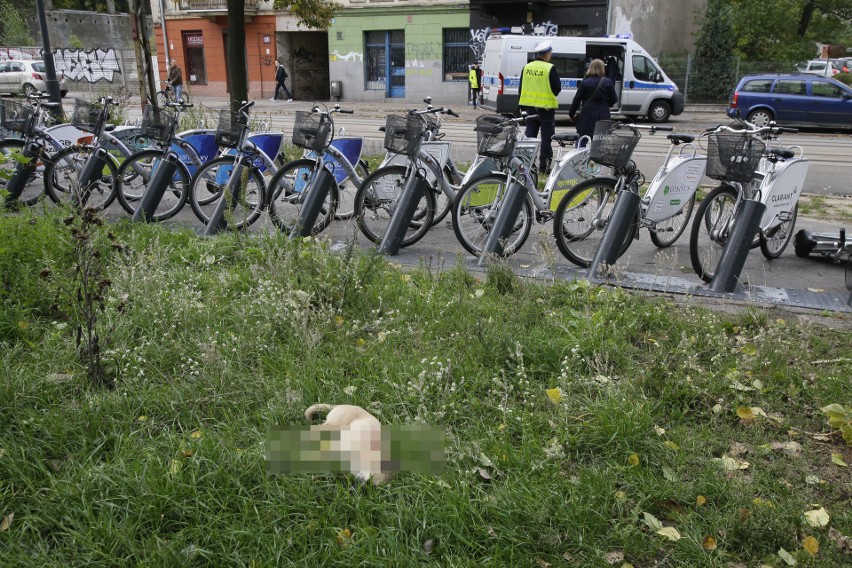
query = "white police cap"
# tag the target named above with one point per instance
(544, 47)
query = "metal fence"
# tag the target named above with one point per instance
(685, 70)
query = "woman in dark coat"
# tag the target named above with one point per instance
(596, 93)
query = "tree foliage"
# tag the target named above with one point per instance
(714, 52)
(315, 14)
(789, 30)
(13, 26)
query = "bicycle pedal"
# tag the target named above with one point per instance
(544, 217)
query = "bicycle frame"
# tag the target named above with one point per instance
(781, 188)
(673, 186)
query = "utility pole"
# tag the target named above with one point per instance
(142, 46)
(49, 65)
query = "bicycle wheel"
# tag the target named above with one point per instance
(135, 174)
(34, 187)
(287, 191)
(582, 216)
(774, 241)
(62, 179)
(208, 185)
(375, 204)
(347, 190)
(666, 232)
(710, 229)
(475, 209)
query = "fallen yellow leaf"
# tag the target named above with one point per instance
(745, 414)
(811, 545)
(837, 459)
(142, 418)
(196, 434)
(670, 533)
(709, 543)
(555, 395)
(633, 459)
(749, 350)
(671, 445)
(701, 500)
(344, 536)
(786, 557)
(6, 522)
(817, 517)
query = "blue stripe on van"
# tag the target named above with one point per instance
(640, 86)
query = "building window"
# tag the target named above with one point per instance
(456, 54)
(384, 61)
(193, 50)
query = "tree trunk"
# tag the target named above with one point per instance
(805, 18)
(236, 61)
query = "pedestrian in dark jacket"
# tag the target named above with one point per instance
(280, 77)
(596, 93)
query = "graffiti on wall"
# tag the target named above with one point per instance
(423, 50)
(479, 36)
(351, 56)
(90, 65)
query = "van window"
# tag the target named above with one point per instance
(826, 89)
(758, 86)
(568, 65)
(643, 68)
(790, 87)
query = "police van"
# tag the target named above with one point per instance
(643, 88)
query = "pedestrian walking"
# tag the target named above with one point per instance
(596, 93)
(176, 80)
(538, 88)
(280, 77)
(475, 81)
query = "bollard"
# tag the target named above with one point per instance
(733, 257)
(620, 223)
(93, 170)
(500, 231)
(406, 206)
(317, 191)
(230, 195)
(164, 171)
(23, 172)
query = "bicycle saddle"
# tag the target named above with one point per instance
(562, 138)
(781, 153)
(47, 104)
(678, 138)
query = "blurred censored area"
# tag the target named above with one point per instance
(414, 448)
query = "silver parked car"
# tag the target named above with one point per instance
(27, 77)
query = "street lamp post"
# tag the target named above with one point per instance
(49, 65)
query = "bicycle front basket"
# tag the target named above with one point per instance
(403, 133)
(229, 129)
(495, 136)
(86, 116)
(733, 156)
(612, 146)
(157, 123)
(311, 130)
(16, 116)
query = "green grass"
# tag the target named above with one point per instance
(220, 338)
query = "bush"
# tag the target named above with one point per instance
(845, 78)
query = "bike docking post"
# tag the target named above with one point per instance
(406, 206)
(230, 195)
(93, 171)
(15, 185)
(615, 233)
(318, 190)
(736, 250)
(156, 189)
(504, 222)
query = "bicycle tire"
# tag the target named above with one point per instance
(287, 192)
(476, 207)
(347, 191)
(667, 231)
(710, 227)
(578, 234)
(774, 241)
(62, 183)
(376, 202)
(207, 185)
(33, 190)
(135, 174)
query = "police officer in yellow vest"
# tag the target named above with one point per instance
(538, 88)
(474, 79)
